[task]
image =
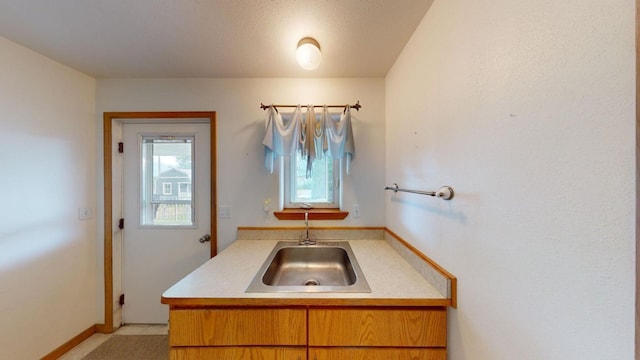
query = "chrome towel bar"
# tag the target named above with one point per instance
(445, 192)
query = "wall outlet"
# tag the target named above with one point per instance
(266, 207)
(356, 211)
(224, 211)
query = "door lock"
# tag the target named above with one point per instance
(205, 238)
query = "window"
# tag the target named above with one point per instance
(320, 190)
(184, 190)
(166, 181)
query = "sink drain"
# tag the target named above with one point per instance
(311, 282)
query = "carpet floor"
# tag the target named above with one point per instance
(132, 347)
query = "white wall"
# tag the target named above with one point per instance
(527, 110)
(47, 255)
(242, 181)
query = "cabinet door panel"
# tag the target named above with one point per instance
(378, 327)
(376, 354)
(237, 353)
(237, 327)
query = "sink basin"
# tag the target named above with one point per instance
(325, 267)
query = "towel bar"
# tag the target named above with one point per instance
(445, 192)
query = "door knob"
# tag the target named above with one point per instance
(205, 238)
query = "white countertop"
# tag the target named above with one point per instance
(224, 279)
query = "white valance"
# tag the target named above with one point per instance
(312, 137)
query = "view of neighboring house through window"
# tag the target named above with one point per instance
(184, 190)
(167, 170)
(315, 189)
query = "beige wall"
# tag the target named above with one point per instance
(527, 110)
(47, 255)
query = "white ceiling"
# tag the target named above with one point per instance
(213, 38)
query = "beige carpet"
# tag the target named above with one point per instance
(132, 347)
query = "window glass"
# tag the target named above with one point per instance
(316, 188)
(166, 181)
(184, 191)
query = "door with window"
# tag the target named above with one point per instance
(167, 204)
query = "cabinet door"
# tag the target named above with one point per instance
(423, 327)
(377, 354)
(237, 353)
(219, 327)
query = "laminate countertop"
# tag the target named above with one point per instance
(222, 280)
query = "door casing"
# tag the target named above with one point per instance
(108, 119)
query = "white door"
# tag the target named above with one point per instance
(166, 212)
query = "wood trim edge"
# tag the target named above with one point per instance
(453, 280)
(314, 214)
(213, 153)
(104, 329)
(190, 303)
(107, 252)
(240, 228)
(66, 347)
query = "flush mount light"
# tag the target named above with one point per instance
(308, 53)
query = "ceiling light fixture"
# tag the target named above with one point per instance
(308, 53)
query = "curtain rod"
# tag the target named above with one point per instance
(356, 106)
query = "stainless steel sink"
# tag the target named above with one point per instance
(324, 267)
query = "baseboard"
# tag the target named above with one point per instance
(66, 347)
(104, 329)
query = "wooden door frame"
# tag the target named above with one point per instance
(108, 118)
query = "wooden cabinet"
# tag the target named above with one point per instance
(376, 354)
(377, 333)
(238, 353)
(378, 327)
(313, 333)
(230, 326)
(238, 333)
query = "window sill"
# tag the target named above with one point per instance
(314, 214)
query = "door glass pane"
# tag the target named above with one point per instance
(166, 181)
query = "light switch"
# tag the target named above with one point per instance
(224, 212)
(85, 213)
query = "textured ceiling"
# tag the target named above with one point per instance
(213, 38)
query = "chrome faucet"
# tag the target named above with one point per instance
(307, 240)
